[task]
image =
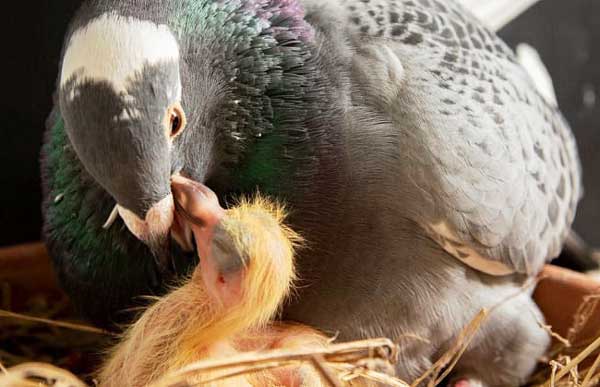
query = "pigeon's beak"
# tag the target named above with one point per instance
(156, 224)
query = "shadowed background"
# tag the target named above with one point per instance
(566, 34)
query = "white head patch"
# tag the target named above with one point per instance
(113, 48)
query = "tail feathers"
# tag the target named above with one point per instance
(580, 254)
(531, 61)
(498, 13)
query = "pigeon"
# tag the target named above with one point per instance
(426, 172)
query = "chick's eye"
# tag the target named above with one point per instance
(176, 120)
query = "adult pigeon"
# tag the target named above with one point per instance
(427, 174)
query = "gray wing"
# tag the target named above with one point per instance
(494, 167)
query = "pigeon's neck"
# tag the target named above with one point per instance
(265, 56)
(300, 159)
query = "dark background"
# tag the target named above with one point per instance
(566, 33)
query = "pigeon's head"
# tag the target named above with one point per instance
(121, 101)
(177, 91)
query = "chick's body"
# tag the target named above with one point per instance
(249, 244)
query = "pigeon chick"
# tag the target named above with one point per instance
(226, 307)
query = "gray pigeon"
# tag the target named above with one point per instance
(428, 175)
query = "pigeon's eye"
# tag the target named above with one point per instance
(175, 120)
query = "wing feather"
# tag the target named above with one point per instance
(495, 164)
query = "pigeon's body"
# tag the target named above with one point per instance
(405, 139)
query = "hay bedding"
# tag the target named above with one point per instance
(41, 335)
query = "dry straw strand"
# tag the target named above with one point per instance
(349, 372)
(246, 363)
(24, 375)
(573, 363)
(548, 328)
(587, 381)
(584, 312)
(451, 357)
(318, 361)
(60, 324)
(468, 336)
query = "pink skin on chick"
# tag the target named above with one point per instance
(207, 213)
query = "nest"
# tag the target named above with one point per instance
(67, 352)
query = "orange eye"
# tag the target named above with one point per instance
(176, 120)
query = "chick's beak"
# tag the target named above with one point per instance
(197, 208)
